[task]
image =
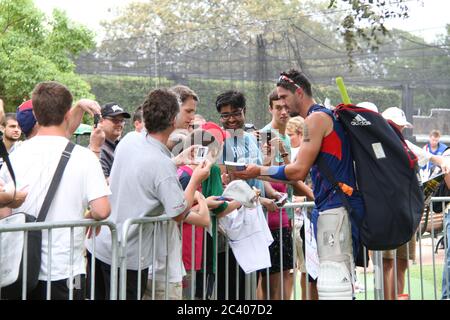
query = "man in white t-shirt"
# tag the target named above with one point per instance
(82, 185)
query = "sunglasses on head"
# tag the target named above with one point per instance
(284, 78)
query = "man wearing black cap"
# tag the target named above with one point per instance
(112, 123)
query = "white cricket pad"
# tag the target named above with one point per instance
(334, 244)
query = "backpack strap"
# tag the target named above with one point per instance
(55, 181)
(5, 155)
(326, 171)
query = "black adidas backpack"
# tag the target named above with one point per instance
(387, 177)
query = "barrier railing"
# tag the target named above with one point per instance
(71, 225)
(140, 223)
(219, 276)
(378, 261)
(295, 229)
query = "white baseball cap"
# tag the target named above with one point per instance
(368, 105)
(397, 116)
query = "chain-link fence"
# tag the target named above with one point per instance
(403, 71)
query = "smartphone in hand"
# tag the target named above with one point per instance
(263, 137)
(201, 154)
(96, 119)
(281, 202)
(268, 137)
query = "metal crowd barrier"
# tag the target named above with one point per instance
(207, 277)
(301, 206)
(377, 260)
(216, 280)
(50, 226)
(140, 223)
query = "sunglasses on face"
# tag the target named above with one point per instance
(284, 78)
(228, 115)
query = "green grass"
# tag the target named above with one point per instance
(428, 289)
(417, 290)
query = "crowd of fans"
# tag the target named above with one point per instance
(155, 170)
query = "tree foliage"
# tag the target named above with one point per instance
(365, 21)
(185, 25)
(34, 49)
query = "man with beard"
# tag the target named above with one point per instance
(11, 131)
(324, 140)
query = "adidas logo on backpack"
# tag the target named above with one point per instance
(359, 120)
